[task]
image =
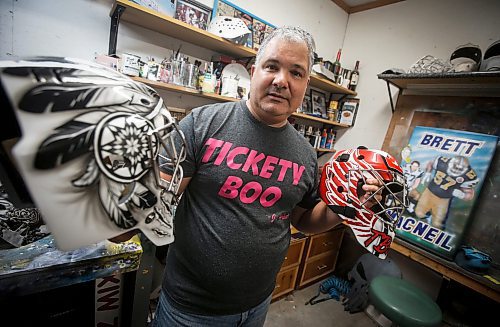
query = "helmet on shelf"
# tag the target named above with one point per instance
(491, 60)
(341, 185)
(473, 260)
(231, 28)
(466, 58)
(430, 65)
(91, 143)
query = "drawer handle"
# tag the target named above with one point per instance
(327, 243)
(286, 258)
(277, 286)
(322, 267)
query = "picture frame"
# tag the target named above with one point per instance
(306, 107)
(259, 27)
(193, 13)
(318, 101)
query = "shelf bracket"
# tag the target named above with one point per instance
(390, 95)
(113, 31)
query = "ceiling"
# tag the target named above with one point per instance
(352, 6)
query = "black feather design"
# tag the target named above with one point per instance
(109, 192)
(89, 176)
(69, 141)
(56, 97)
(143, 197)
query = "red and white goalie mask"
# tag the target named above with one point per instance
(340, 188)
(88, 144)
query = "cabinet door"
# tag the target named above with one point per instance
(285, 282)
(326, 242)
(317, 268)
(294, 254)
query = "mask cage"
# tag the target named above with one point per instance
(393, 191)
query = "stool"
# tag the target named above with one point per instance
(403, 303)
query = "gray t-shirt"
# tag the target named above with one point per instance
(232, 225)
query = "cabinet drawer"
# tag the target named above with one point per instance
(318, 268)
(294, 254)
(325, 242)
(285, 282)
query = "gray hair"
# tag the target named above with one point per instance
(290, 33)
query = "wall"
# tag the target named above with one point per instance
(80, 28)
(398, 35)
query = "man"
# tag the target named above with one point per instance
(453, 178)
(248, 174)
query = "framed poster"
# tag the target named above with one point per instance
(444, 171)
(259, 27)
(318, 104)
(193, 13)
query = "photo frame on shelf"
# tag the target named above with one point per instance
(306, 107)
(259, 27)
(318, 101)
(193, 13)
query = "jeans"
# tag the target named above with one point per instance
(168, 316)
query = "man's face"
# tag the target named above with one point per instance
(415, 166)
(279, 81)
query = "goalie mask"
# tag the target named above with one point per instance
(340, 188)
(231, 28)
(89, 144)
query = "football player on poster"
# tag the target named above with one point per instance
(453, 177)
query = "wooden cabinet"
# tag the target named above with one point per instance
(320, 256)
(287, 276)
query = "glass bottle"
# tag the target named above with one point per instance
(337, 65)
(354, 77)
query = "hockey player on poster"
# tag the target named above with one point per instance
(413, 175)
(453, 177)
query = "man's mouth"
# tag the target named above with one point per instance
(276, 95)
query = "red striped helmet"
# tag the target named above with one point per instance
(341, 185)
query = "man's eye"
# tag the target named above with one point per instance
(271, 67)
(297, 74)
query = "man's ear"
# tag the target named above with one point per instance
(252, 70)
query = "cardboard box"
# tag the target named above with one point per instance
(349, 111)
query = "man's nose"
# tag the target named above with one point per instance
(280, 79)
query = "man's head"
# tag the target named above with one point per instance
(415, 165)
(281, 74)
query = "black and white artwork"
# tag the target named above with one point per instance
(92, 168)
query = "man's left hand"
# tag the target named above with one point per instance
(371, 196)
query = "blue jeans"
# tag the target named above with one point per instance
(167, 315)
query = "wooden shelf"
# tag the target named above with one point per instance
(155, 21)
(484, 84)
(327, 85)
(326, 150)
(184, 90)
(318, 119)
(448, 269)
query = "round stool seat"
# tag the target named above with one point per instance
(403, 303)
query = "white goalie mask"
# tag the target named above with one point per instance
(89, 149)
